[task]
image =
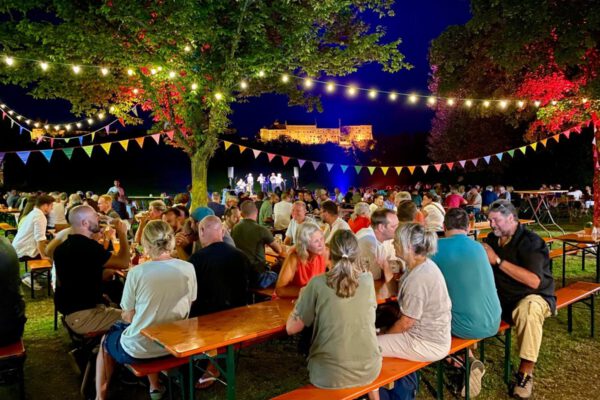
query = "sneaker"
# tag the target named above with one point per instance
(523, 385)
(477, 372)
(158, 394)
(27, 282)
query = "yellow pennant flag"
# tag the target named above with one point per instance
(533, 145)
(398, 169)
(124, 144)
(227, 144)
(543, 141)
(106, 147)
(384, 170)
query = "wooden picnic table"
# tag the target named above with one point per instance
(584, 242)
(14, 212)
(541, 205)
(195, 336)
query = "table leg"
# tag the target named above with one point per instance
(598, 263)
(230, 372)
(544, 203)
(592, 318)
(507, 345)
(564, 263)
(191, 379)
(535, 210)
(467, 374)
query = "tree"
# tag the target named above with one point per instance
(187, 61)
(545, 51)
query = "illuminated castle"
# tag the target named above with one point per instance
(345, 136)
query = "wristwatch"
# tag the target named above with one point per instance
(498, 261)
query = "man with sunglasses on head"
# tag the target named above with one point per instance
(521, 266)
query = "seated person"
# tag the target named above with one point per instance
(470, 282)
(360, 218)
(231, 218)
(340, 306)
(299, 217)
(12, 306)
(433, 212)
(30, 240)
(251, 238)
(157, 291)
(307, 258)
(215, 204)
(454, 200)
(155, 210)
(79, 295)
(521, 267)
(422, 333)
(172, 217)
(329, 215)
(105, 206)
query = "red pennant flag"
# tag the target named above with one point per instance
(285, 159)
(256, 153)
(567, 134)
(156, 137)
(3, 115)
(51, 142)
(170, 134)
(577, 129)
(270, 156)
(437, 167)
(450, 165)
(122, 121)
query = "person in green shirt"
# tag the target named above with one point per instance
(265, 215)
(340, 306)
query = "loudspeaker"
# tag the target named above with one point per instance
(230, 172)
(296, 172)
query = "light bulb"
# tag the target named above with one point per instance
(285, 78)
(413, 98)
(218, 96)
(172, 74)
(78, 124)
(372, 93)
(44, 66)
(468, 103)
(450, 102)
(261, 73)
(308, 83)
(90, 121)
(431, 100)
(56, 127)
(28, 122)
(393, 96)
(111, 109)
(244, 85)
(187, 48)
(76, 69)
(503, 104)
(521, 103)
(68, 127)
(554, 102)
(101, 116)
(135, 91)
(537, 103)
(330, 87)
(584, 100)
(37, 124)
(9, 61)
(194, 86)
(486, 103)
(351, 91)
(104, 71)
(130, 72)
(153, 71)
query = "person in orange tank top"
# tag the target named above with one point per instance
(306, 259)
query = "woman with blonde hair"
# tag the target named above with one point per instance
(305, 260)
(361, 217)
(340, 306)
(157, 291)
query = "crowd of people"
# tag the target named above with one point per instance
(191, 262)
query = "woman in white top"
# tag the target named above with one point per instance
(433, 211)
(157, 291)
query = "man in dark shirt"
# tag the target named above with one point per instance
(251, 238)
(12, 306)
(80, 261)
(521, 266)
(221, 271)
(215, 205)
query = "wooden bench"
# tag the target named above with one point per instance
(168, 364)
(39, 267)
(578, 292)
(12, 359)
(7, 228)
(392, 369)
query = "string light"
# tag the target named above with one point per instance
(584, 100)
(261, 73)
(172, 74)
(78, 124)
(503, 104)
(285, 78)
(486, 103)
(101, 116)
(450, 102)
(553, 102)
(135, 91)
(9, 61)
(468, 103)
(352, 90)
(308, 83)
(153, 71)
(521, 103)
(187, 48)
(218, 96)
(537, 103)
(413, 98)
(44, 66)
(76, 69)
(431, 100)
(194, 86)
(104, 71)
(244, 85)
(330, 87)
(373, 93)
(130, 72)
(393, 96)
(90, 121)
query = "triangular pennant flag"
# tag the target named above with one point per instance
(475, 161)
(437, 167)
(24, 156)
(593, 141)
(3, 115)
(140, 141)
(301, 162)
(499, 155)
(544, 141)
(242, 148)
(411, 169)
(384, 170)
(170, 134)
(122, 121)
(20, 130)
(93, 136)
(511, 153)
(315, 164)
(285, 159)
(134, 110)
(398, 170)
(462, 163)
(39, 140)
(88, 150)
(577, 129)
(329, 166)
(344, 168)
(371, 170)
(12, 122)
(47, 154)
(106, 147)
(556, 137)
(80, 140)
(357, 168)
(51, 142)
(523, 149)
(487, 159)
(270, 156)
(533, 145)
(107, 129)
(256, 153)
(450, 165)
(68, 152)
(156, 137)
(424, 168)
(567, 134)
(227, 144)
(2, 157)
(124, 144)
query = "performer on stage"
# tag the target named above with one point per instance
(273, 180)
(240, 186)
(264, 186)
(250, 183)
(279, 181)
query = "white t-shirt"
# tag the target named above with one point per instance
(577, 194)
(337, 224)
(57, 215)
(294, 228)
(435, 216)
(32, 230)
(282, 214)
(158, 291)
(374, 207)
(369, 251)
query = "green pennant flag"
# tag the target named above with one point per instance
(371, 170)
(511, 153)
(357, 168)
(88, 150)
(68, 152)
(523, 149)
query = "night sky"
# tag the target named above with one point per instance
(162, 168)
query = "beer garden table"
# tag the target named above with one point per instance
(542, 206)
(576, 239)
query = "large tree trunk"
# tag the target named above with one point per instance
(596, 181)
(199, 163)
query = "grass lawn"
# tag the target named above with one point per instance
(567, 368)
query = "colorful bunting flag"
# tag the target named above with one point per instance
(170, 134)
(450, 165)
(523, 149)
(487, 159)
(437, 167)
(301, 162)
(315, 164)
(51, 142)
(156, 137)
(424, 168)
(242, 148)
(533, 145)
(20, 130)
(106, 147)
(398, 170)
(384, 170)
(567, 134)
(68, 152)
(329, 166)
(511, 153)
(270, 156)
(344, 168)
(357, 168)
(544, 141)
(411, 169)
(227, 144)
(2, 158)
(47, 154)
(285, 159)
(124, 144)
(140, 141)
(88, 150)
(499, 156)
(24, 156)
(107, 129)
(256, 153)
(371, 170)
(93, 136)
(462, 163)
(475, 161)
(134, 110)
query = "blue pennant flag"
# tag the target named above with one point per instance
(24, 156)
(47, 154)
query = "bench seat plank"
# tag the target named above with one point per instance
(575, 292)
(14, 350)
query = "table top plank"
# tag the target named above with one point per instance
(578, 237)
(209, 332)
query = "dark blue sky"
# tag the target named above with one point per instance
(417, 23)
